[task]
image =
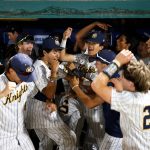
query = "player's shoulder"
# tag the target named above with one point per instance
(3, 78)
(40, 63)
(3, 81)
(143, 97)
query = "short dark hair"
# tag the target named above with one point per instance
(131, 38)
(41, 52)
(13, 28)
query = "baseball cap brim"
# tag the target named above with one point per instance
(92, 40)
(98, 58)
(102, 61)
(25, 38)
(31, 77)
(58, 48)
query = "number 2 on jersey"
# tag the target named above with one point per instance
(146, 119)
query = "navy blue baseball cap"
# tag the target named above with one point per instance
(23, 66)
(105, 56)
(51, 43)
(96, 37)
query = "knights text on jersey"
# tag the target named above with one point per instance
(12, 108)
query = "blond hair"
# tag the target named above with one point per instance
(139, 74)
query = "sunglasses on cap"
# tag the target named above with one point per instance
(26, 38)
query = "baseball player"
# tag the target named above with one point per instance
(80, 44)
(143, 48)
(47, 123)
(113, 135)
(95, 119)
(132, 102)
(13, 32)
(24, 44)
(13, 134)
(71, 111)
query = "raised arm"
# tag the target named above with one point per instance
(99, 85)
(84, 31)
(50, 89)
(63, 55)
(89, 101)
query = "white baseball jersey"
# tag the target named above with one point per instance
(95, 118)
(134, 111)
(13, 134)
(111, 143)
(41, 119)
(37, 114)
(75, 111)
(50, 124)
(74, 117)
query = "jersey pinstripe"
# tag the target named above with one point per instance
(48, 123)
(45, 142)
(94, 117)
(74, 113)
(111, 143)
(12, 116)
(41, 119)
(134, 111)
(74, 118)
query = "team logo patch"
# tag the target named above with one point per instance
(29, 69)
(94, 35)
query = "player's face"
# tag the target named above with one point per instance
(52, 55)
(14, 77)
(100, 66)
(26, 48)
(122, 43)
(148, 46)
(12, 36)
(93, 48)
(144, 49)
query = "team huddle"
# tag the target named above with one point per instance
(102, 101)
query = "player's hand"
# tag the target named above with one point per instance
(117, 84)
(54, 65)
(9, 87)
(124, 57)
(73, 80)
(71, 65)
(67, 33)
(103, 26)
(51, 106)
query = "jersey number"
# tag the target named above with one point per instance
(146, 118)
